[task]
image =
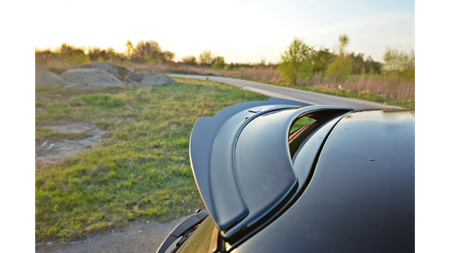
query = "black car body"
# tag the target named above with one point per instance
(341, 181)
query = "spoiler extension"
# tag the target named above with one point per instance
(241, 181)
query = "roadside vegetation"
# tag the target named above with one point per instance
(328, 70)
(140, 171)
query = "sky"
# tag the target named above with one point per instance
(241, 31)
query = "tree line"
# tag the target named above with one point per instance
(300, 62)
(143, 52)
(205, 59)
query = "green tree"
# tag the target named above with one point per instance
(97, 53)
(341, 67)
(130, 49)
(168, 55)
(218, 62)
(296, 63)
(399, 64)
(231, 66)
(321, 59)
(398, 61)
(343, 40)
(113, 55)
(372, 66)
(147, 51)
(189, 60)
(357, 62)
(74, 56)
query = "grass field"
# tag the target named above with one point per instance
(140, 171)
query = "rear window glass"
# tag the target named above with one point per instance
(303, 121)
(295, 132)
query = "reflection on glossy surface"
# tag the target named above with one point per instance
(383, 115)
(200, 240)
(303, 121)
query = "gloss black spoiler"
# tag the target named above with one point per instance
(242, 163)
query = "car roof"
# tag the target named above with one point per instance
(360, 197)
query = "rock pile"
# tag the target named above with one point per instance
(44, 78)
(144, 78)
(151, 79)
(100, 74)
(90, 77)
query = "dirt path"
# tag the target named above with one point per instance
(138, 237)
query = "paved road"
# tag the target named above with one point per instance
(136, 238)
(293, 94)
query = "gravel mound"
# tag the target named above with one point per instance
(110, 68)
(44, 78)
(151, 79)
(108, 74)
(119, 72)
(90, 77)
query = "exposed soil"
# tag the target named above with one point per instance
(49, 151)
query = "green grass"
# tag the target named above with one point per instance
(103, 100)
(141, 170)
(38, 103)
